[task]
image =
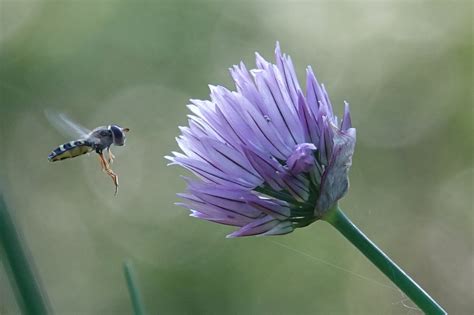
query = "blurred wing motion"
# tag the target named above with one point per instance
(72, 129)
(66, 126)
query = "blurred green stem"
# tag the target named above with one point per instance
(135, 296)
(341, 222)
(29, 293)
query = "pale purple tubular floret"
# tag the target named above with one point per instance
(346, 119)
(302, 159)
(269, 157)
(334, 182)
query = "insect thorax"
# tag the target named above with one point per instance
(101, 138)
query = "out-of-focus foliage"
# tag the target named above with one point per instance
(406, 69)
(8, 304)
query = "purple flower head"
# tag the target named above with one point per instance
(269, 157)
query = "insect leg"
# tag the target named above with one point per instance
(103, 165)
(106, 168)
(111, 156)
(114, 179)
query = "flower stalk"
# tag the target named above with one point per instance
(132, 285)
(30, 295)
(343, 224)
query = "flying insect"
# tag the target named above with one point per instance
(99, 140)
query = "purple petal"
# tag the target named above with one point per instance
(307, 120)
(208, 172)
(314, 93)
(211, 115)
(230, 114)
(267, 167)
(236, 217)
(246, 86)
(346, 119)
(284, 117)
(231, 160)
(334, 183)
(271, 207)
(327, 101)
(302, 158)
(269, 138)
(256, 227)
(225, 221)
(326, 140)
(220, 200)
(298, 186)
(281, 228)
(285, 66)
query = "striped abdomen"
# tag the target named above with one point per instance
(70, 150)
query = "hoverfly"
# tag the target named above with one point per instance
(99, 140)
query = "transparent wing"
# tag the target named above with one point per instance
(66, 126)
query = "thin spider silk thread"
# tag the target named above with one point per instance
(334, 265)
(320, 260)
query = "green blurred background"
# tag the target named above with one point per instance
(405, 67)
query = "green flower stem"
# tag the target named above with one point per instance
(30, 296)
(342, 223)
(137, 304)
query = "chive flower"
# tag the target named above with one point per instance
(270, 156)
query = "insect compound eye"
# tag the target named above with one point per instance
(117, 133)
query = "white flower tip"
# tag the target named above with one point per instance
(277, 48)
(171, 159)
